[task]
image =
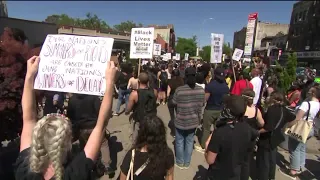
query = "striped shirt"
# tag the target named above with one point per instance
(189, 105)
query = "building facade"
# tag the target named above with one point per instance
(167, 35)
(304, 36)
(3, 9)
(263, 29)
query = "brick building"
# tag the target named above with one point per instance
(165, 36)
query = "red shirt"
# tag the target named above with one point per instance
(239, 86)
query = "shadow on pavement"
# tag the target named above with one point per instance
(201, 173)
(115, 147)
(313, 171)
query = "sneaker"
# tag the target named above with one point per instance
(199, 149)
(115, 114)
(109, 171)
(288, 173)
(297, 172)
(186, 166)
(180, 166)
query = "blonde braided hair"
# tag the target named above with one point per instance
(51, 141)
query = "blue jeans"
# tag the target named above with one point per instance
(123, 94)
(184, 146)
(297, 152)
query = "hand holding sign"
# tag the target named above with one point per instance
(32, 66)
(110, 74)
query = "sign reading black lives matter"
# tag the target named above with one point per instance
(141, 44)
(74, 64)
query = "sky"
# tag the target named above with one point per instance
(188, 17)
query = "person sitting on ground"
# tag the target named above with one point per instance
(150, 156)
(227, 147)
(46, 144)
(142, 102)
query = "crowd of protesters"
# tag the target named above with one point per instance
(239, 115)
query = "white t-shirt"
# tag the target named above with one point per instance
(256, 83)
(314, 108)
(202, 85)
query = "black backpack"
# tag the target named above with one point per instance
(164, 78)
(146, 105)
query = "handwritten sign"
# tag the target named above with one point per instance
(216, 47)
(74, 64)
(156, 49)
(237, 54)
(141, 44)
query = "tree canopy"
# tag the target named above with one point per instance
(206, 53)
(226, 49)
(186, 45)
(126, 26)
(92, 21)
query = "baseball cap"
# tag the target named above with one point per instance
(219, 73)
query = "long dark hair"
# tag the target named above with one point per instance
(152, 134)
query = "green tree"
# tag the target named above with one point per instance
(126, 26)
(92, 21)
(226, 49)
(186, 45)
(291, 66)
(206, 53)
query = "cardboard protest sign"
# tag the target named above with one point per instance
(237, 54)
(157, 49)
(216, 47)
(177, 56)
(186, 56)
(141, 44)
(74, 64)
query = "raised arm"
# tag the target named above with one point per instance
(29, 106)
(94, 142)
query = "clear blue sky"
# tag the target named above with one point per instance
(187, 17)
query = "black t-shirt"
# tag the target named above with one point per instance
(217, 90)
(271, 118)
(232, 144)
(79, 168)
(140, 158)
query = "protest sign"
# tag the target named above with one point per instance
(216, 48)
(186, 56)
(177, 56)
(141, 44)
(74, 64)
(157, 49)
(237, 54)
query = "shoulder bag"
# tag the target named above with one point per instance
(300, 131)
(130, 172)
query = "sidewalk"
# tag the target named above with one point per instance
(120, 130)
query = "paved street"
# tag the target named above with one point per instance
(120, 129)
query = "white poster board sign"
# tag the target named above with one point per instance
(74, 64)
(237, 54)
(216, 47)
(177, 56)
(156, 49)
(168, 56)
(186, 56)
(141, 44)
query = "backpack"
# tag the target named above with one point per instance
(146, 104)
(164, 78)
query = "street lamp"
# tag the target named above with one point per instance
(201, 28)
